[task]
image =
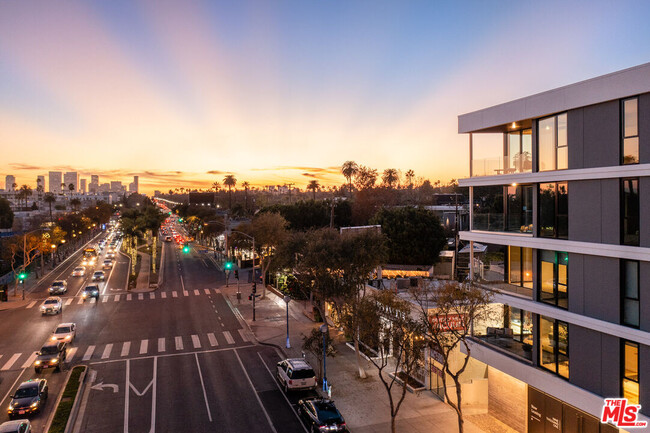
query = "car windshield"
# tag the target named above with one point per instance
(62, 330)
(57, 284)
(51, 301)
(32, 391)
(303, 374)
(49, 350)
(327, 412)
(78, 269)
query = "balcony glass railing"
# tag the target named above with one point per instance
(502, 165)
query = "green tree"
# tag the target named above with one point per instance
(6, 214)
(230, 181)
(390, 178)
(75, 202)
(349, 169)
(415, 235)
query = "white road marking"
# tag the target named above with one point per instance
(182, 283)
(228, 337)
(107, 351)
(93, 300)
(216, 290)
(196, 342)
(129, 297)
(126, 347)
(31, 304)
(89, 353)
(70, 354)
(163, 295)
(11, 361)
(212, 339)
(81, 301)
(174, 294)
(30, 360)
(186, 293)
(140, 296)
(196, 292)
(268, 418)
(104, 298)
(144, 345)
(205, 396)
(117, 298)
(161, 345)
(69, 301)
(179, 343)
(152, 295)
(207, 291)
(243, 335)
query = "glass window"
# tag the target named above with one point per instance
(553, 143)
(631, 372)
(630, 285)
(520, 266)
(554, 210)
(520, 209)
(520, 156)
(503, 208)
(630, 131)
(487, 212)
(630, 210)
(554, 346)
(554, 284)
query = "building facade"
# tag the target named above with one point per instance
(40, 182)
(10, 181)
(82, 185)
(54, 182)
(560, 204)
(71, 178)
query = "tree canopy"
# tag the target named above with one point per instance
(6, 214)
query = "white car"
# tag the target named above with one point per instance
(108, 264)
(99, 276)
(16, 426)
(295, 373)
(64, 332)
(110, 255)
(79, 271)
(52, 305)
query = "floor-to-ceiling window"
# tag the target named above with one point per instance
(630, 212)
(630, 291)
(554, 346)
(554, 210)
(552, 143)
(520, 154)
(630, 131)
(554, 278)
(630, 380)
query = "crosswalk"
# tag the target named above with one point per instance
(144, 347)
(132, 297)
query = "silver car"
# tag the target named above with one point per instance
(79, 271)
(58, 287)
(17, 426)
(52, 305)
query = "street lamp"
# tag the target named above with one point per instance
(287, 299)
(323, 329)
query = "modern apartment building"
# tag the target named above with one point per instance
(560, 232)
(55, 181)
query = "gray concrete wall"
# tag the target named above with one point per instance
(644, 296)
(644, 211)
(601, 135)
(594, 211)
(585, 358)
(610, 364)
(644, 379)
(575, 138)
(594, 287)
(644, 128)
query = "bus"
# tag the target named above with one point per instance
(90, 252)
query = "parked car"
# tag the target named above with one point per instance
(79, 271)
(51, 355)
(58, 287)
(29, 398)
(17, 426)
(99, 276)
(108, 264)
(52, 305)
(64, 332)
(296, 374)
(91, 291)
(320, 414)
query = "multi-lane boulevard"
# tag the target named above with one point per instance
(160, 361)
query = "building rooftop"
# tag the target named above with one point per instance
(620, 84)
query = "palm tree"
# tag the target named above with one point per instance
(230, 181)
(246, 185)
(63, 187)
(313, 186)
(390, 177)
(216, 186)
(24, 192)
(409, 178)
(349, 169)
(75, 202)
(49, 199)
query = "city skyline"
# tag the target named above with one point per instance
(282, 92)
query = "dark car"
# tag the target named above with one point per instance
(29, 398)
(52, 355)
(91, 291)
(320, 414)
(58, 287)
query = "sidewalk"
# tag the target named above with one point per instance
(363, 402)
(142, 283)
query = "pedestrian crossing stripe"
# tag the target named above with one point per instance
(31, 304)
(69, 301)
(11, 361)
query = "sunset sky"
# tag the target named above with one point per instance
(184, 92)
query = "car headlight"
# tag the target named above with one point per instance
(11, 407)
(34, 404)
(54, 361)
(67, 337)
(53, 338)
(37, 363)
(84, 295)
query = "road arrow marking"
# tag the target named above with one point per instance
(101, 385)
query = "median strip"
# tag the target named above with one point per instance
(67, 405)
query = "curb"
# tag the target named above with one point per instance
(72, 418)
(48, 424)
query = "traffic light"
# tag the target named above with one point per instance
(186, 248)
(180, 220)
(254, 288)
(22, 276)
(228, 266)
(236, 274)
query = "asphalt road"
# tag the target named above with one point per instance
(178, 359)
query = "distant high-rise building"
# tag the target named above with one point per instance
(40, 181)
(157, 193)
(93, 187)
(104, 187)
(133, 186)
(82, 186)
(9, 183)
(94, 179)
(55, 182)
(71, 178)
(116, 186)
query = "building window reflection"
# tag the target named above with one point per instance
(630, 286)
(554, 278)
(554, 346)
(630, 131)
(554, 210)
(630, 380)
(630, 212)
(503, 208)
(519, 152)
(552, 143)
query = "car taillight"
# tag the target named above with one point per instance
(290, 382)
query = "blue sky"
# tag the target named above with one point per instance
(282, 91)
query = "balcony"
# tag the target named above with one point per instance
(496, 154)
(507, 328)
